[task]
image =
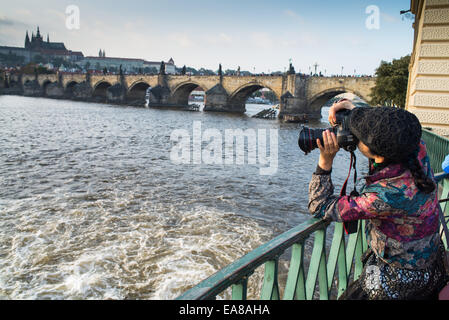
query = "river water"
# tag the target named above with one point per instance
(92, 207)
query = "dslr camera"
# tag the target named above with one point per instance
(346, 140)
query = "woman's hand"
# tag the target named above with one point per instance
(328, 151)
(340, 105)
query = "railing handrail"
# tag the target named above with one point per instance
(441, 176)
(245, 266)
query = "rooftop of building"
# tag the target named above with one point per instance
(53, 46)
(129, 59)
(13, 48)
(113, 58)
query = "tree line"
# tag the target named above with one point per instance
(391, 83)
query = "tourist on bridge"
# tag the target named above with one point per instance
(398, 200)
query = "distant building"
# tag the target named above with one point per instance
(20, 52)
(36, 46)
(127, 64)
(170, 67)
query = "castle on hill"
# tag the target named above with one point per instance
(37, 46)
(37, 49)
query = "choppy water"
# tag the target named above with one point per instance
(91, 207)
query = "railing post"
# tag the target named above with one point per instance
(350, 251)
(342, 274)
(358, 253)
(337, 255)
(318, 267)
(322, 276)
(270, 288)
(239, 290)
(295, 285)
(364, 240)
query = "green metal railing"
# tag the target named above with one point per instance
(437, 148)
(342, 255)
(342, 265)
(443, 181)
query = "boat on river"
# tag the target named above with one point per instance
(300, 118)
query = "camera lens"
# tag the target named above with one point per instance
(346, 140)
(308, 137)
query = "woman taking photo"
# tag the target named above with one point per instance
(398, 201)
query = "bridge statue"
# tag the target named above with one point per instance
(291, 69)
(162, 68)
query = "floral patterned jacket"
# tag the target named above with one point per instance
(403, 224)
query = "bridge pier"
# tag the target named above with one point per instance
(116, 94)
(32, 88)
(12, 84)
(3, 81)
(54, 90)
(160, 96)
(217, 100)
(293, 107)
(294, 102)
(80, 92)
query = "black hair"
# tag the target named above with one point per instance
(422, 181)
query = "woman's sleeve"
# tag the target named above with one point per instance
(324, 204)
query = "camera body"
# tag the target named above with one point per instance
(345, 138)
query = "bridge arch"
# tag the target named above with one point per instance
(239, 97)
(45, 85)
(70, 86)
(320, 99)
(181, 93)
(138, 90)
(100, 89)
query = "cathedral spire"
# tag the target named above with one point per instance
(48, 37)
(38, 32)
(27, 40)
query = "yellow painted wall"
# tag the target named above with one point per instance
(428, 89)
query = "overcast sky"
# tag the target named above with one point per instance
(260, 34)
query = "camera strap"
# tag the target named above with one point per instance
(351, 226)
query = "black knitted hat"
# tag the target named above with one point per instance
(389, 132)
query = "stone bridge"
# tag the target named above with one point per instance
(297, 95)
